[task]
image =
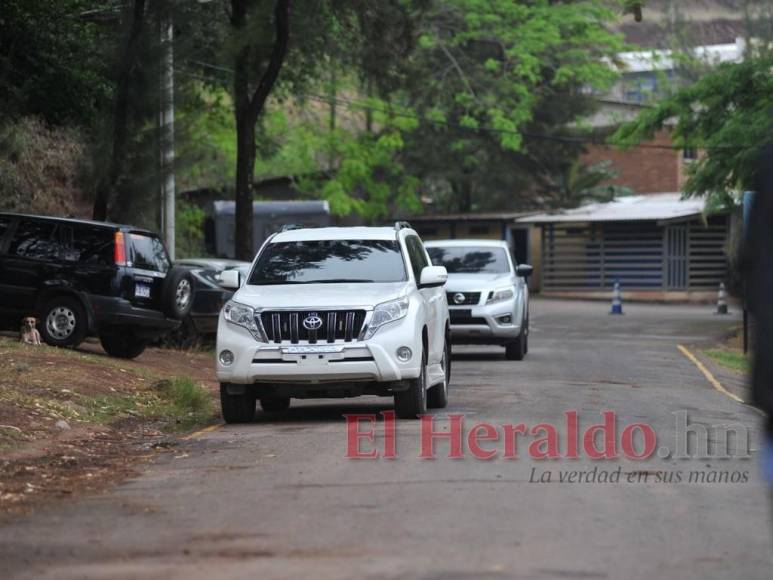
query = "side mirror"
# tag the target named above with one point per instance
(230, 279)
(524, 270)
(433, 277)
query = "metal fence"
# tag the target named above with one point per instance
(641, 255)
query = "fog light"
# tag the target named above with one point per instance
(506, 319)
(226, 358)
(404, 354)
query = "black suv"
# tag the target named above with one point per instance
(83, 278)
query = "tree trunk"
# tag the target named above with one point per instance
(245, 169)
(247, 110)
(465, 195)
(106, 185)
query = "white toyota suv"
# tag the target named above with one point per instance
(335, 312)
(487, 293)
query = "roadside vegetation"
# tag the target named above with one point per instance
(73, 419)
(732, 359)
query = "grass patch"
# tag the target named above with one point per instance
(178, 403)
(730, 359)
(84, 387)
(187, 398)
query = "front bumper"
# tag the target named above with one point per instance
(484, 323)
(372, 360)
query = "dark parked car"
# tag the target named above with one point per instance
(82, 278)
(208, 299)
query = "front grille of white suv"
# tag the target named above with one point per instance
(298, 326)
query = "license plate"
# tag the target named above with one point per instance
(467, 313)
(311, 349)
(141, 291)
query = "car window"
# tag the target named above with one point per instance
(416, 255)
(148, 253)
(329, 261)
(91, 245)
(470, 259)
(35, 239)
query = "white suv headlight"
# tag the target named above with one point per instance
(385, 313)
(500, 295)
(244, 316)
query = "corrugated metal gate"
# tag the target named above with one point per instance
(675, 257)
(708, 259)
(641, 255)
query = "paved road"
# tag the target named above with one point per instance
(278, 498)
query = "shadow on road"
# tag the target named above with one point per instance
(323, 412)
(479, 355)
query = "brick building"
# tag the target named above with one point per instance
(646, 77)
(652, 167)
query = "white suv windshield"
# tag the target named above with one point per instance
(329, 262)
(470, 259)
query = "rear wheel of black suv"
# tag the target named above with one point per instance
(412, 403)
(63, 322)
(237, 408)
(121, 344)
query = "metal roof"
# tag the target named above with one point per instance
(497, 216)
(651, 207)
(664, 60)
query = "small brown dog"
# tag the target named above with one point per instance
(29, 331)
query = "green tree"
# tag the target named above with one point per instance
(497, 83)
(580, 183)
(52, 63)
(727, 115)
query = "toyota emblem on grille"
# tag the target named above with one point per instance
(312, 322)
(459, 298)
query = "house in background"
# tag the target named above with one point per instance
(658, 246)
(648, 76)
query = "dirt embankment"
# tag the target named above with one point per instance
(78, 421)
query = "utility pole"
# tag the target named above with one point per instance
(166, 128)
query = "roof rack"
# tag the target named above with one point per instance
(402, 225)
(291, 227)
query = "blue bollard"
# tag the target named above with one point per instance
(617, 300)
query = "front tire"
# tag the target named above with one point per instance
(63, 322)
(437, 396)
(516, 349)
(121, 344)
(526, 335)
(412, 402)
(237, 408)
